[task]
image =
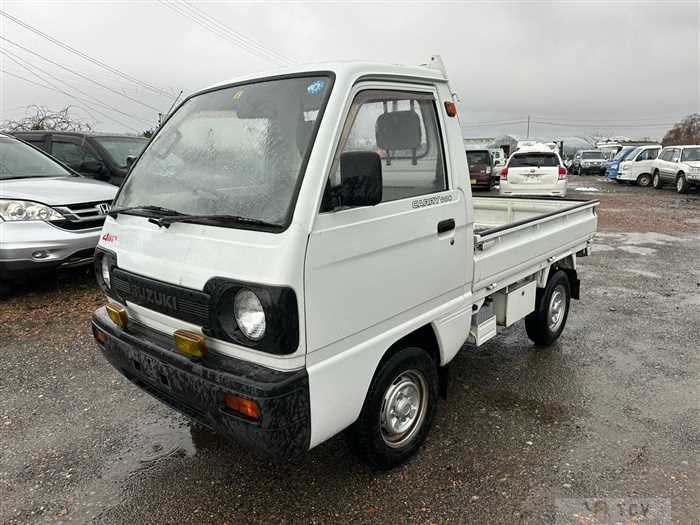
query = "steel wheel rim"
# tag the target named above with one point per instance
(404, 406)
(557, 308)
(645, 180)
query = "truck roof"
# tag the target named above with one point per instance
(344, 70)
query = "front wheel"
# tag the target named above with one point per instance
(656, 181)
(546, 323)
(644, 180)
(681, 184)
(398, 410)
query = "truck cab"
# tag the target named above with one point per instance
(300, 254)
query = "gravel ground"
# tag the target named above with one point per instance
(610, 411)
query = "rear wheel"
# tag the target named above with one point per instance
(644, 180)
(656, 181)
(681, 184)
(546, 323)
(398, 410)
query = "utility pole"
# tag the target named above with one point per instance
(528, 126)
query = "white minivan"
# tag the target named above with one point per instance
(534, 171)
(639, 165)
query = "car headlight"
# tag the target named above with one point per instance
(15, 210)
(249, 314)
(104, 263)
(624, 167)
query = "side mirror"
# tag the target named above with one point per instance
(130, 159)
(360, 179)
(91, 166)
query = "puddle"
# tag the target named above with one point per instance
(637, 243)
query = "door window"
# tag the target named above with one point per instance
(71, 153)
(401, 128)
(675, 155)
(666, 154)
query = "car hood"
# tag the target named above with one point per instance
(57, 190)
(693, 163)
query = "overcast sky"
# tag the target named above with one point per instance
(630, 68)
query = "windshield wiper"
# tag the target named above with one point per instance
(160, 210)
(165, 222)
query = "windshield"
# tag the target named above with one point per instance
(690, 154)
(478, 157)
(119, 148)
(622, 154)
(592, 155)
(232, 151)
(20, 161)
(633, 153)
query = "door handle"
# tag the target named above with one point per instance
(446, 225)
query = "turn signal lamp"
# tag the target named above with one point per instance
(190, 343)
(247, 407)
(117, 314)
(450, 108)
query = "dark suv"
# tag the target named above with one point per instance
(99, 156)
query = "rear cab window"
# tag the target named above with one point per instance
(478, 157)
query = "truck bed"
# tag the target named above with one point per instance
(515, 237)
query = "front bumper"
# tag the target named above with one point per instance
(60, 248)
(196, 388)
(600, 169)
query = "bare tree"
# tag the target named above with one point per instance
(687, 131)
(41, 117)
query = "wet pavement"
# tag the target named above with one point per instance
(612, 410)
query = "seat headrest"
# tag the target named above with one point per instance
(398, 130)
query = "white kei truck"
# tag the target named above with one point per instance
(300, 254)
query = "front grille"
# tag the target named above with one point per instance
(83, 216)
(175, 301)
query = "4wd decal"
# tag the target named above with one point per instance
(108, 237)
(432, 201)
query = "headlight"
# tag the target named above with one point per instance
(249, 314)
(11, 210)
(624, 167)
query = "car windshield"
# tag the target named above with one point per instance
(622, 154)
(232, 151)
(119, 148)
(633, 153)
(20, 161)
(478, 157)
(539, 160)
(592, 155)
(690, 154)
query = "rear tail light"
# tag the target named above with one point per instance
(562, 172)
(504, 173)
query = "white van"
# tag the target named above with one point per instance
(534, 171)
(300, 254)
(638, 166)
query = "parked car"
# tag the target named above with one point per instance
(50, 217)
(589, 161)
(612, 166)
(293, 301)
(534, 171)
(677, 165)
(98, 156)
(638, 164)
(481, 172)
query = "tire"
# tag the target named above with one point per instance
(681, 183)
(5, 289)
(644, 180)
(552, 301)
(385, 441)
(656, 180)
